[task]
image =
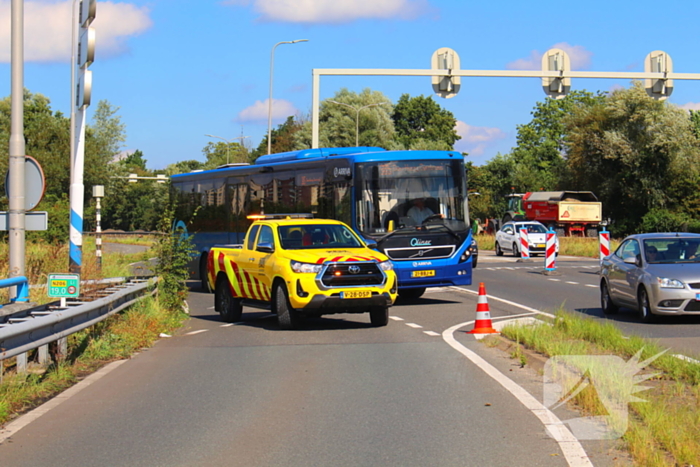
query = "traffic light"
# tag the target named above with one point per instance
(445, 59)
(658, 62)
(556, 60)
(86, 52)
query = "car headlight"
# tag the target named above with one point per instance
(386, 266)
(306, 267)
(666, 283)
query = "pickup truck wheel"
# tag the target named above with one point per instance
(229, 307)
(499, 252)
(287, 317)
(379, 316)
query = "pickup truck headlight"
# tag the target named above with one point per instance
(666, 283)
(306, 267)
(386, 266)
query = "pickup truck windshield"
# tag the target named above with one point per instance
(301, 237)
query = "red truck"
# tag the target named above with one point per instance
(568, 212)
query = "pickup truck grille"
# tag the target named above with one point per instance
(346, 275)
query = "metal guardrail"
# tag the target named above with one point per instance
(48, 323)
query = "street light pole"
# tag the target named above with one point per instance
(269, 100)
(357, 116)
(228, 160)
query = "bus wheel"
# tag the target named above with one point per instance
(379, 316)
(412, 294)
(203, 274)
(287, 317)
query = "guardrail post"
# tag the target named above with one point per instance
(44, 356)
(21, 363)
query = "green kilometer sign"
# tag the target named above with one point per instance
(64, 285)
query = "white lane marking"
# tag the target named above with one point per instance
(396, 318)
(414, 325)
(503, 300)
(196, 332)
(555, 280)
(227, 325)
(572, 283)
(13, 427)
(210, 308)
(592, 285)
(570, 446)
(431, 333)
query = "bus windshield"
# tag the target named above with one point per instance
(407, 194)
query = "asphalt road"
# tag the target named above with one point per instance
(337, 392)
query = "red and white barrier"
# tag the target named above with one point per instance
(604, 237)
(524, 245)
(550, 260)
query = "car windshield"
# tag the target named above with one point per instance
(532, 228)
(304, 237)
(672, 250)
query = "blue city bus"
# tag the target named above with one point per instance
(411, 204)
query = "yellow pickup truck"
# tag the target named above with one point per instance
(294, 265)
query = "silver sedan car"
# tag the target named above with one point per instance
(653, 273)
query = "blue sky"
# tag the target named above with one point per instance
(180, 69)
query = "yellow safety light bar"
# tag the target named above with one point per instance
(258, 217)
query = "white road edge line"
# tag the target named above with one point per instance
(199, 331)
(13, 427)
(570, 446)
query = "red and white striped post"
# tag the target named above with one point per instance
(550, 260)
(524, 245)
(604, 237)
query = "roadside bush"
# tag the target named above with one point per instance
(174, 252)
(661, 220)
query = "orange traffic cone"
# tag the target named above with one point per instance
(482, 325)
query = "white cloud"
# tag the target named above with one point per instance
(334, 11)
(47, 29)
(281, 109)
(476, 139)
(579, 57)
(690, 106)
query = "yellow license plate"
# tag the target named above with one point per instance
(430, 273)
(540, 245)
(356, 294)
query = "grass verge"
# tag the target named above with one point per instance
(660, 431)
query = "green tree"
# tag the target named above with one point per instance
(695, 122)
(135, 160)
(421, 123)
(539, 155)
(183, 167)
(637, 154)
(283, 138)
(338, 123)
(222, 153)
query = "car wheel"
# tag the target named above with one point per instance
(379, 316)
(287, 317)
(515, 250)
(412, 294)
(644, 310)
(606, 303)
(229, 307)
(499, 252)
